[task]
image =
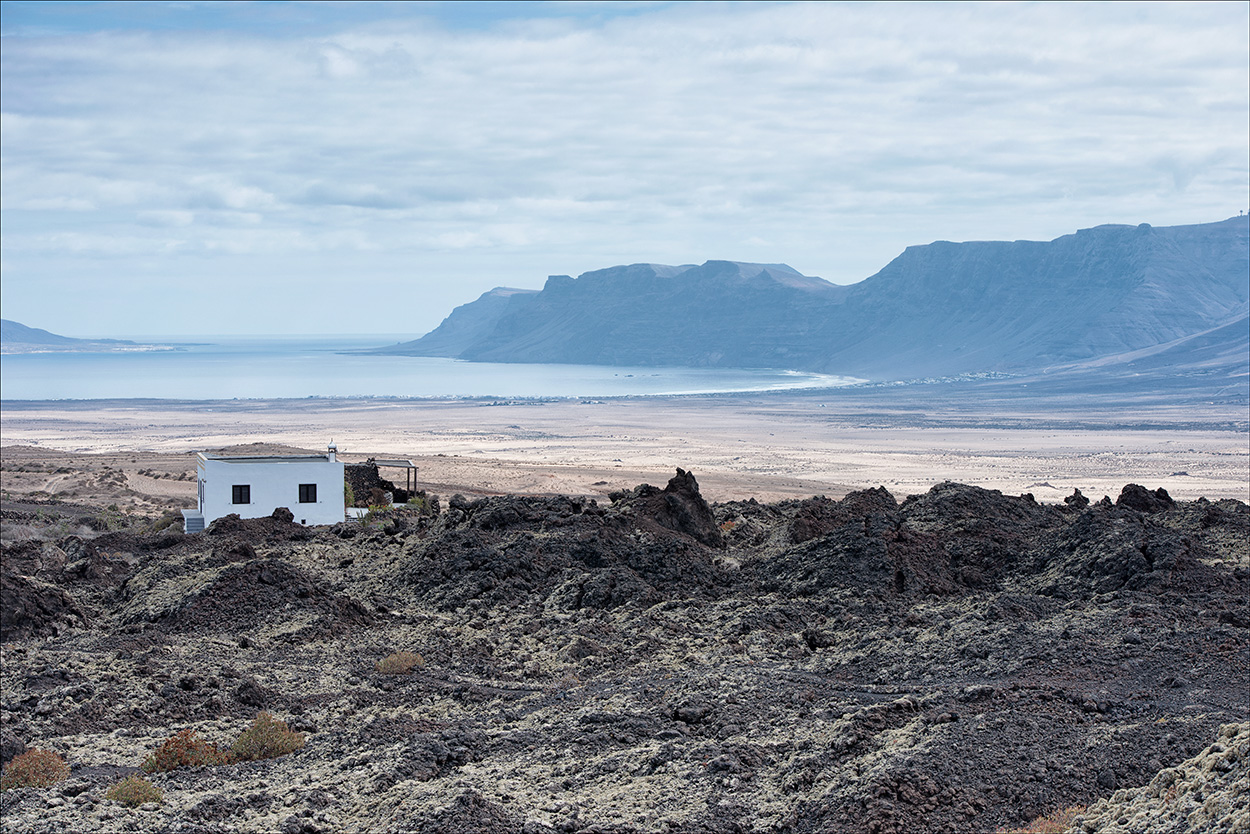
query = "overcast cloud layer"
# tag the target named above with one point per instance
(259, 169)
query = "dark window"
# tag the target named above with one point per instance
(241, 494)
(308, 493)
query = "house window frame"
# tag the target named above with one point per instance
(308, 493)
(240, 493)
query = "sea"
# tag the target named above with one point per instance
(284, 367)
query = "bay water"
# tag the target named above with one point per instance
(279, 367)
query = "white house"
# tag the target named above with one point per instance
(310, 486)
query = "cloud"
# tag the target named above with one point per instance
(350, 194)
(572, 137)
(165, 218)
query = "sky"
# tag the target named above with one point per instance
(174, 168)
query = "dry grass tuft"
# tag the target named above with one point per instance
(400, 663)
(1056, 822)
(267, 738)
(135, 791)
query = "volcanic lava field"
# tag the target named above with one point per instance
(960, 660)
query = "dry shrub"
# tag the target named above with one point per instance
(267, 738)
(1056, 822)
(134, 791)
(34, 769)
(183, 749)
(400, 663)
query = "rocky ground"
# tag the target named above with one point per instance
(1205, 793)
(961, 660)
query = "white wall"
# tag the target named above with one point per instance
(274, 483)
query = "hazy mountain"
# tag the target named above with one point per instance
(643, 314)
(996, 306)
(16, 332)
(944, 308)
(16, 337)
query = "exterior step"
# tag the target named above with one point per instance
(192, 521)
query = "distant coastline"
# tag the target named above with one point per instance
(17, 339)
(19, 349)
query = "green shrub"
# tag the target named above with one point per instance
(183, 749)
(168, 520)
(349, 495)
(34, 769)
(267, 738)
(400, 663)
(134, 791)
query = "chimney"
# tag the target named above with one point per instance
(332, 452)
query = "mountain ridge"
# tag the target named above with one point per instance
(938, 308)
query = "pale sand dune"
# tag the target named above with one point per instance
(763, 446)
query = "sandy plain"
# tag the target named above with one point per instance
(767, 446)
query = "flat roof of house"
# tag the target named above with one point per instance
(267, 458)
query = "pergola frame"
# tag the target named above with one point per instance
(410, 470)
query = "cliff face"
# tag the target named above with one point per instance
(466, 326)
(642, 314)
(954, 308)
(944, 308)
